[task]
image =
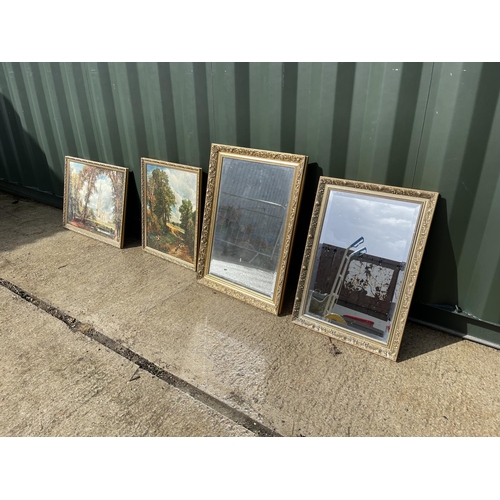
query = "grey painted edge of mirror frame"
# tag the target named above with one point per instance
(197, 171)
(299, 162)
(106, 166)
(428, 200)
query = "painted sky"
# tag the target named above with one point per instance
(76, 167)
(103, 190)
(183, 185)
(386, 225)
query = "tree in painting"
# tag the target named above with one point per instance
(89, 176)
(75, 186)
(162, 198)
(117, 179)
(171, 217)
(187, 224)
(95, 199)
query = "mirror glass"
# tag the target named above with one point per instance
(252, 206)
(360, 261)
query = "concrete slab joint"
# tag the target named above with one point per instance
(101, 341)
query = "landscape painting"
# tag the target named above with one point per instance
(170, 210)
(94, 199)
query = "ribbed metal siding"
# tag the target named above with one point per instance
(460, 157)
(354, 120)
(424, 125)
(360, 121)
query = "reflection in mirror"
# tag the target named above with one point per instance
(251, 217)
(249, 222)
(360, 263)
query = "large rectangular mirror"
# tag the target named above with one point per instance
(361, 262)
(249, 221)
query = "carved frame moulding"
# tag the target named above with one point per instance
(249, 222)
(363, 253)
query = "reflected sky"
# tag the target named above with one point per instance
(386, 225)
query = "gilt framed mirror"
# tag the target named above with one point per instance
(360, 265)
(249, 222)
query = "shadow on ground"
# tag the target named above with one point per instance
(21, 225)
(419, 340)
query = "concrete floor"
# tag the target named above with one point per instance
(236, 362)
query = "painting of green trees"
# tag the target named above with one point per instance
(170, 211)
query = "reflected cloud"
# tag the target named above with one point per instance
(387, 225)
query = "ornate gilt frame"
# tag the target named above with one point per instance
(66, 197)
(390, 348)
(197, 172)
(298, 163)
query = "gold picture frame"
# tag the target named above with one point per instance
(361, 261)
(171, 228)
(249, 222)
(94, 201)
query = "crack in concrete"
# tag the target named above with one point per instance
(89, 331)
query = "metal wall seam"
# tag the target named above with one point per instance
(425, 125)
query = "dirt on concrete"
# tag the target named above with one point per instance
(289, 380)
(56, 382)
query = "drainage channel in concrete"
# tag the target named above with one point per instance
(85, 329)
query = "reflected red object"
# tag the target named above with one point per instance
(360, 320)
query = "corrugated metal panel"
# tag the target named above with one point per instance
(459, 157)
(425, 125)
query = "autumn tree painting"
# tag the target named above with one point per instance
(94, 199)
(170, 215)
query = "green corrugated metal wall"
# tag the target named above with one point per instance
(426, 125)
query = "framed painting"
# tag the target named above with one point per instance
(95, 199)
(249, 223)
(170, 210)
(361, 262)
